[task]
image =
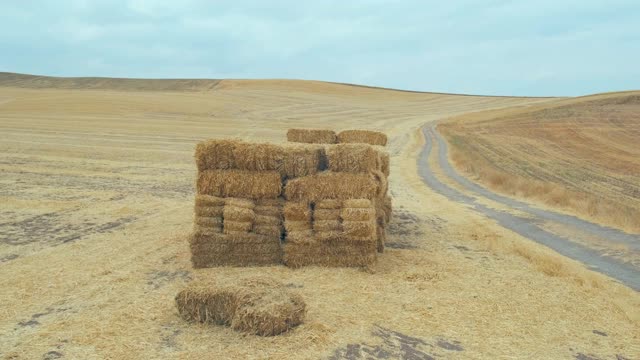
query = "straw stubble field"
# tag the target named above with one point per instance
(98, 189)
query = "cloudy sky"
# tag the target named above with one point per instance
(498, 47)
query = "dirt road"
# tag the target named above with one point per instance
(537, 222)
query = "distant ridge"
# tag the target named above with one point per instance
(8, 79)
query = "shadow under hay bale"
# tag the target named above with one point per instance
(362, 136)
(312, 136)
(259, 306)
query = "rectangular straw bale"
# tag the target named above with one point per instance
(353, 158)
(207, 230)
(208, 221)
(303, 160)
(272, 211)
(270, 202)
(319, 254)
(215, 154)
(258, 157)
(326, 214)
(300, 237)
(328, 204)
(312, 136)
(230, 227)
(245, 238)
(292, 225)
(363, 136)
(240, 183)
(209, 260)
(327, 225)
(240, 203)
(238, 214)
(358, 214)
(297, 211)
(331, 185)
(327, 236)
(357, 203)
(268, 230)
(209, 211)
(208, 200)
(359, 229)
(267, 220)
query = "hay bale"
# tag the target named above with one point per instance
(326, 214)
(327, 226)
(267, 220)
(230, 227)
(300, 236)
(328, 204)
(303, 160)
(208, 200)
(277, 202)
(206, 230)
(210, 222)
(358, 214)
(297, 211)
(312, 136)
(331, 185)
(240, 183)
(330, 255)
(238, 214)
(268, 230)
(357, 203)
(240, 203)
(234, 249)
(259, 306)
(385, 163)
(272, 211)
(362, 136)
(353, 158)
(293, 225)
(215, 154)
(359, 230)
(209, 211)
(258, 157)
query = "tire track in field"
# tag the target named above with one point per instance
(529, 226)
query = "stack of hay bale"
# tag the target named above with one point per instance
(333, 213)
(238, 203)
(338, 217)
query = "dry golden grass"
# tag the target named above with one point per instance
(580, 155)
(97, 190)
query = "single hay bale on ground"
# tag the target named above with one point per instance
(238, 214)
(297, 211)
(353, 158)
(259, 306)
(215, 154)
(312, 136)
(208, 200)
(326, 214)
(230, 226)
(362, 136)
(240, 183)
(328, 204)
(331, 185)
(358, 214)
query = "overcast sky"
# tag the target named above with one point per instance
(498, 47)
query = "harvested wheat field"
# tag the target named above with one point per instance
(98, 187)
